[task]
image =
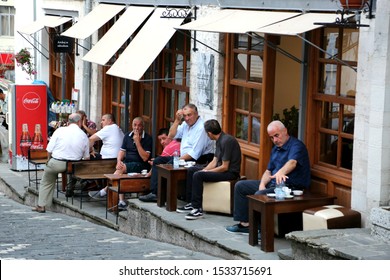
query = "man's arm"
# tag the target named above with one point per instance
(265, 179)
(281, 175)
(176, 123)
(212, 166)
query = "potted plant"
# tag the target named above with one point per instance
(24, 59)
(352, 4)
(290, 119)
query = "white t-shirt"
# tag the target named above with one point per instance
(112, 137)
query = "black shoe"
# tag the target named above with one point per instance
(185, 209)
(151, 197)
(122, 206)
(195, 214)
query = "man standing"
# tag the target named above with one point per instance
(67, 143)
(132, 157)
(289, 163)
(225, 166)
(3, 107)
(195, 145)
(111, 135)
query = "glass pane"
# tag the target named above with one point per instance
(349, 119)
(170, 104)
(242, 126)
(328, 82)
(241, 41)
(147, 103)
(256, 103)
(167, 66)
(240, 66)
(330, 42)
(242, 98)
(328, 148)
(346, 153)
(348, 82)
(330, 115)
(255, 130)
(183, 99)
(179, 70)
(256, 70)
(350, 45)
(115, 90)
(257, 44)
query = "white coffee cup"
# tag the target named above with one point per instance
(144, 172)
(182, 162)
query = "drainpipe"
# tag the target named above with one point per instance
(86, 92)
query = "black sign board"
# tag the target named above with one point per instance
(63, 44)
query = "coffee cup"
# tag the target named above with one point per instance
(182, 162)
(144, 172)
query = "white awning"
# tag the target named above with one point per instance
(87, 25)
(110, 43)
(236, 21)
(49, 21)
(145, 47)
(298, 25)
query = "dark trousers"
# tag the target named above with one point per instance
(241, 190)
(195, 179)
(154, 177)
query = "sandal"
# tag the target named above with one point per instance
(39, 209)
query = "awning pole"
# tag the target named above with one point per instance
(21, 34)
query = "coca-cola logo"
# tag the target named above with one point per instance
(31, 101)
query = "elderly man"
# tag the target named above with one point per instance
(133, 156)
(195, 145)
(67, 143)
(289, 163)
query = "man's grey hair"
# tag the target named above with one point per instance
(74, 118)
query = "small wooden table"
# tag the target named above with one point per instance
(168, 180)
(264, 207)
(137, 183)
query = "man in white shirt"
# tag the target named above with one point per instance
(3, 107)
(67, 143)
(111, 135)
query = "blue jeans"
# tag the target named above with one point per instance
(241, 190)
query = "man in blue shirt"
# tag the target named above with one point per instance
(289, 163)
(195, 145)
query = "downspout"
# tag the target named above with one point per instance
(86, 93)
(35, 35)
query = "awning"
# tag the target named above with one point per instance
(298, 25)
(145, 47)
(87, 25)
(7, 58)
(236, 21)
(117, 35)
(49, 21)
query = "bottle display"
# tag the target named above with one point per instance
(25, 140)
(176, 156)
(37, 142)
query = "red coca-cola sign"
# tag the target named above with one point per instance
(31, 101)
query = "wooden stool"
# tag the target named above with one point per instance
(330, 217)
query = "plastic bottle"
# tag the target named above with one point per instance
(279, 193)
(176, 159)
(37, 142)
(25, 140)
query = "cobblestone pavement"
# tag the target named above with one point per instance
(25, 234)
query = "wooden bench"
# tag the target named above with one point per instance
(91, 170)
(36, 158)
(121, 184)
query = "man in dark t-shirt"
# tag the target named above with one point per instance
(225, 166)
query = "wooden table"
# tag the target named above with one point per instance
(168, 181)
(137, 183)
(264, 207)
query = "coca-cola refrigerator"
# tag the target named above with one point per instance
(28, 124)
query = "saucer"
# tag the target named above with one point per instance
(288, 196)
(271, 194)
(132, 174)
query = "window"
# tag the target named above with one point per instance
(335, 97)
(176, 73)
(246, 84)
(7, 20)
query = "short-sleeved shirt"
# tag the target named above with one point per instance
(90, 125)
(296, 150)
(194, 139)
(173, 146)
(129, 147)
(228, 149)
(112, 138)
(69, 143)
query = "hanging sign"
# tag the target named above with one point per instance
(63, 44)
